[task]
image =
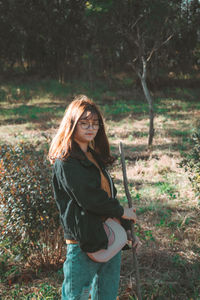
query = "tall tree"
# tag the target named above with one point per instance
(148, 31)
(143, 27)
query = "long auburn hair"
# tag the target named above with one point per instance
(63, 144)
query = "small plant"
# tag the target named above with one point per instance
(166, 188)
(191, 162)
(48, 292)
(30, 218)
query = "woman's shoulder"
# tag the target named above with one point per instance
(66, 162)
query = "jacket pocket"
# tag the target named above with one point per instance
(89, 231)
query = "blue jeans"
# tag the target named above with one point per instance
(82, 276)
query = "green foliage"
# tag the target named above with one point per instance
(191, 162)
(50, 89)
(2, 95)
(166, 188)
(181, 133)
(42, 291)
(30, 217)
(128, 82)
(125, 107)
(17, 92)
(46, 291)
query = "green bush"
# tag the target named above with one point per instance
(30, 221)
(191, 162)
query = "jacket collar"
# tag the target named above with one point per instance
(86, 162)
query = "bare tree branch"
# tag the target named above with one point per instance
(151, 53)
(168, 39)
(156, 48)
(140, 17)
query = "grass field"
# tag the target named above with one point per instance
(167, 208)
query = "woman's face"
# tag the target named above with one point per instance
(86, 128)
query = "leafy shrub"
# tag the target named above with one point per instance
(30, 217)
(191, 162)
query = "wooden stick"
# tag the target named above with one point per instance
(128, 196)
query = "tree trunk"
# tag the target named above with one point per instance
(150, 102)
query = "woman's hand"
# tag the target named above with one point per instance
(136, 244)
(129, 214)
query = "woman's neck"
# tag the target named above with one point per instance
(83, 146)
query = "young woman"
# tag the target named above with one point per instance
(85, 196)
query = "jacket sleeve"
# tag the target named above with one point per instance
(126, 224)
(86, 192)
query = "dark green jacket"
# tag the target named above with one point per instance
(82, 202)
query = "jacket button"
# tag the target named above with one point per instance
(82, 213)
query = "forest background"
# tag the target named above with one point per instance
(139, 61)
